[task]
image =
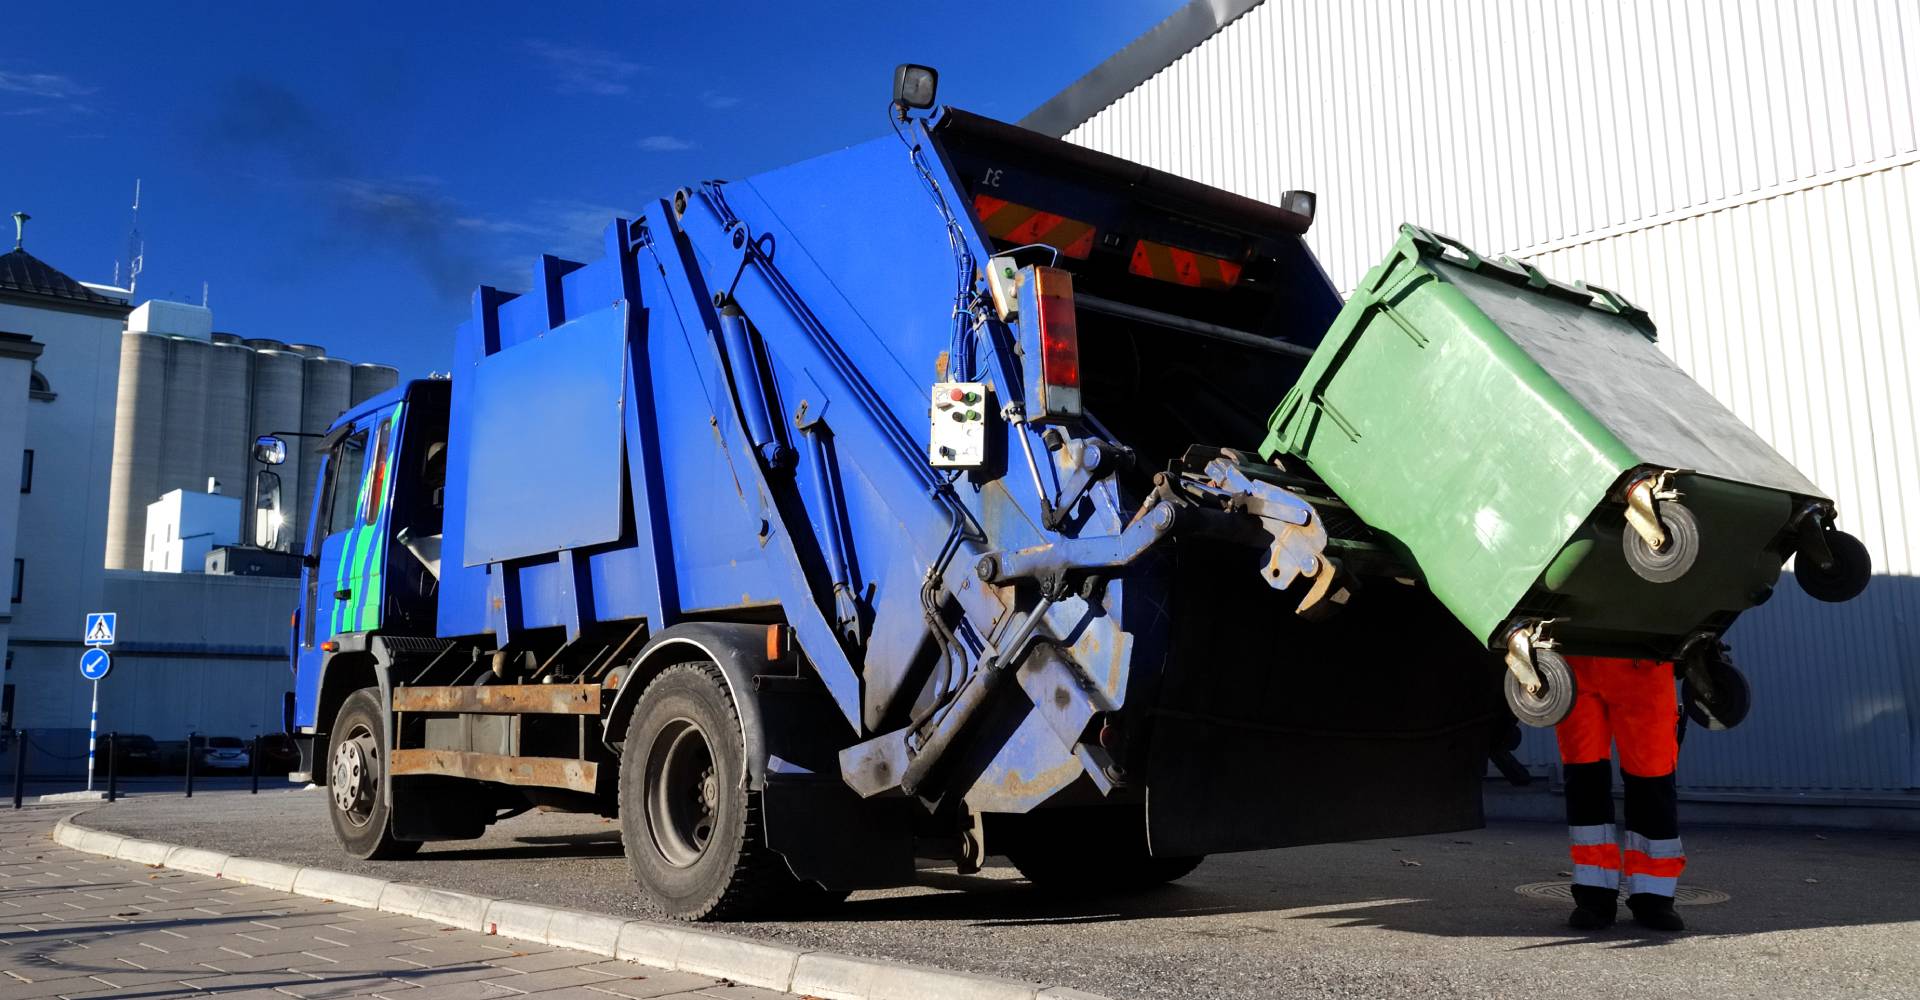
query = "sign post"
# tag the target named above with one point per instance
(94, 664)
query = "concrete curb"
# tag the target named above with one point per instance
(823, 975)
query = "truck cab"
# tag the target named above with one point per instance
(372, 542)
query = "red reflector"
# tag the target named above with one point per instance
(329, 646)
(1015, 223)
(1182, 267)
(1059, 330)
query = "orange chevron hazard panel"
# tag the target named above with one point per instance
(1017, 223)
(1182, 267)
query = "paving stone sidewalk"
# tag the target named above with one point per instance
(80, 925)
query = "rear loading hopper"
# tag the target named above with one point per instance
(1556, 480)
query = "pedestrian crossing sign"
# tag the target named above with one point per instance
(100, 626)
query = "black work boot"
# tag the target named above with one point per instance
(1655, 912)
(1594, 908)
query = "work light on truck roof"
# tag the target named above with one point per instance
(1301, 203)
(914, 87)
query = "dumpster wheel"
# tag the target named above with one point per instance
(1546, 706)
(1715, 692)
(1844, 578)
(1675, 557)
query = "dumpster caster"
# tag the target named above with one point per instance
(1662, 541)
(1714, 691)
(1539, 684)
(1552, 697)
(1839, 577)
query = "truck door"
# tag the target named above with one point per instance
(351, 589)
(344, 589)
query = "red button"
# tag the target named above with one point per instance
(957, 396)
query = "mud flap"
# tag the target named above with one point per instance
(1272, 731)
(831, 836)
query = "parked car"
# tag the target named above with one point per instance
(223, 753)
(134, 753)
(278, 753)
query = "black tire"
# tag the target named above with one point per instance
(356, 791)
(690, 825)
(1671, 561)
(1716, 694)
(1550, 705)
(1852, 569)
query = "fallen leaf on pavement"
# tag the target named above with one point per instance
(1409, 862)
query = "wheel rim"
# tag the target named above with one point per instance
(682, 792)
(355, 775)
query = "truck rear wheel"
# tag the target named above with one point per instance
(690, 824)
(356, 781)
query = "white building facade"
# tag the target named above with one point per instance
(106, 445)
(1747, 172)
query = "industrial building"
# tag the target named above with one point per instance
(190, 403)
(121, 414)
(1746, 172)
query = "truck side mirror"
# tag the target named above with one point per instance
(268, 517)
(269, 450)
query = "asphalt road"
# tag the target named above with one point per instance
(1810, 914)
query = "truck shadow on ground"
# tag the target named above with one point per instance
(1465, 902)
(572, 845)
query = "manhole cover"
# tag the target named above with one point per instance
(1686, 895)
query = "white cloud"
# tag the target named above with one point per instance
(665, 144)
(51, 85)
(582, 69)
(718, 101)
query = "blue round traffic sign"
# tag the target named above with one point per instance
(94, 664)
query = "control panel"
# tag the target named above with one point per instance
(959, 437)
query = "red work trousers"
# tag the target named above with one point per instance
(1631, 704)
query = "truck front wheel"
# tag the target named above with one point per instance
(690, 824)
(356, 775)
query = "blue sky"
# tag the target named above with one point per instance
(344, 174)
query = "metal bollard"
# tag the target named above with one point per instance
(190, 737)
(253, 755)
(19, 767)
(113, 771)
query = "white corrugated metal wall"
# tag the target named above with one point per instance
(1748, 172)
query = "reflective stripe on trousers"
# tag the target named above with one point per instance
(1596, 855)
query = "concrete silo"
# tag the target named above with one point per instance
(183, 436)
(225, 338)
(326, 393)
(265, 344)
(229, 437)
(308, 350)
(137, 443)
(370, 380)
(276, 401)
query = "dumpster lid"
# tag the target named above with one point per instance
(1600, 349)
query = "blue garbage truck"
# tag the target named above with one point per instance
(900, 503)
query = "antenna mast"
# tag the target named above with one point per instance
(136, 247)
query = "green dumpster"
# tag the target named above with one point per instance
(1555, 479)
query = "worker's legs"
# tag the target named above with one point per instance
(1585, 740)
(1645, 718)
